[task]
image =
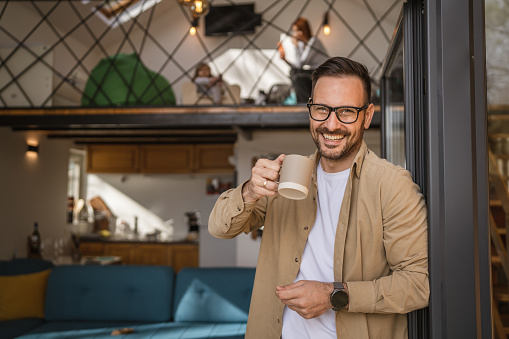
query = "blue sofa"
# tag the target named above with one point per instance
(150, 301)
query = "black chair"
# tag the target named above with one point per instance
(278, 93)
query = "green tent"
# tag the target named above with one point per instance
(123, 80)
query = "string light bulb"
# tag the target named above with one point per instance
(32, 148)
(326, 27)
(200, 7)
(194, 24)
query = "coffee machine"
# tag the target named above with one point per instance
(193, 224)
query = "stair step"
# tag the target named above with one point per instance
(505, 322)
(495, 203)
(501, 293)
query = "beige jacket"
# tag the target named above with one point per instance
(381, 249)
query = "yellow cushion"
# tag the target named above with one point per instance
(23, 296)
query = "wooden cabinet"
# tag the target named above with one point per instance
(150, 254)
(213, 159)
(160, 158)
(92, 248)
(178, 255)
(166, 158)
(112, 158)
(118, 250)
(183, 256)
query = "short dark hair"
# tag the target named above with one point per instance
(342, 67)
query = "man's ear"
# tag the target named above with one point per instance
(369, 115)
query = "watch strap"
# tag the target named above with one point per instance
(338, 288)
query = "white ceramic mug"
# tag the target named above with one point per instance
(295, 176)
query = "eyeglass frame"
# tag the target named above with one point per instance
(335, 110)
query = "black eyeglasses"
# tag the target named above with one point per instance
(345, 114)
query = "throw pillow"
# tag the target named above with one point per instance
(23, 296)
(200, 303)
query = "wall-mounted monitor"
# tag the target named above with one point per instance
(231, 19)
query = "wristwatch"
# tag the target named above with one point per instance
(338, 297)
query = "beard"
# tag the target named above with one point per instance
(335, 153)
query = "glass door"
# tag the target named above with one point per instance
(403, 112)
(393, 110)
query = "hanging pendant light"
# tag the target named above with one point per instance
(199, 7)
(194, 24)
(326, 27)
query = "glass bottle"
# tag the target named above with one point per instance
(35, 240)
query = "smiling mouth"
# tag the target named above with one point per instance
(333, 137)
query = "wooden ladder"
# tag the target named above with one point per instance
(499, 229)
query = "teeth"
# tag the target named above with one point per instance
(333, 137)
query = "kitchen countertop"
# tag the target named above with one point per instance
(94, 237)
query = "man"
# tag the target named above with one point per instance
(351, 259)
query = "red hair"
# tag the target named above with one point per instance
(303, 26)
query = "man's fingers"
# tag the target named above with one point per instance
(291, 291)
(269, 164)
(280, 159)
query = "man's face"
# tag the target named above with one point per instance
(337, 142)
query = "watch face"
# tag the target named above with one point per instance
(339, 299)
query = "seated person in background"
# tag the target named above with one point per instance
(309, 52)
(207, 84)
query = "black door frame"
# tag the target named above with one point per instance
(457, 170)
(446, 152)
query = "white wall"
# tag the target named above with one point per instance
(31, 190)
(16, 18)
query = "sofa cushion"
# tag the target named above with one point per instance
(23, 296)
(23, 266)
(165, 330)
(213, 294)
(110, 293)
(81, 326)
(13, 328)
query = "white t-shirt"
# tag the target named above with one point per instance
(317, 259)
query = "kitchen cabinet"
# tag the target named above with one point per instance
(196, 158)
(177, 255)
(181, 256)
(213, 159)
(118, 250)
(166, 158)
(151, 254)
(112, 158)
(92, 248)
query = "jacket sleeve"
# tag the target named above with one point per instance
(405, 230)
(231, 216)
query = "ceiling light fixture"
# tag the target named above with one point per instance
(199, 8)
(194, 24)
(32, 148)
(326, 27)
